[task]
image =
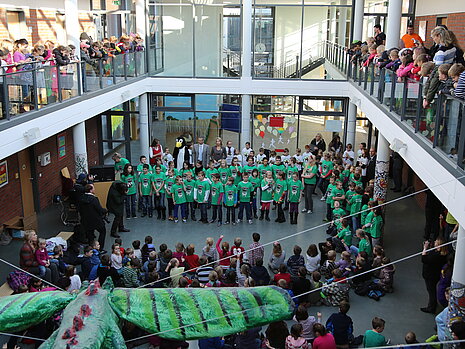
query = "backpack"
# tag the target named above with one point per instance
(17, 278)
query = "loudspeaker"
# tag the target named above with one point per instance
(105, 173)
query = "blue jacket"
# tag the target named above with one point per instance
(211, 343)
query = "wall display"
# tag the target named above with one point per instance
(61, 138)
(3, 173)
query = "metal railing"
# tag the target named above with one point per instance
(442, 124)
(41, 85)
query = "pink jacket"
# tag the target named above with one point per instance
(406, 72)
(41, 256)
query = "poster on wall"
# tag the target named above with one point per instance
(61, 146)
(3, 173)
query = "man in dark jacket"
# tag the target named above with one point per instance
(92, 214)
(371, 166)
(341, 326)
(260, 274)
(115, 205)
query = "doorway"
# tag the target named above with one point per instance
(25, 177)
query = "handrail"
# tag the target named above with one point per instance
(42, 85)
(439, 124)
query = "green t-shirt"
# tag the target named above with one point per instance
(376, 225)
(267, 190)
(326, 166)
(196, 172)
(279, 189)
(373, 339)
(119, 166)
(358, 183)
(277, 168)
(369, 219)
(329, 192)
(183, 173)
(189, 190)
(335, 193)
(295, 190)
(364, 214)
(355, 203)
(249, 169)
(364, 245)
(209, 172)
(169, 182)
(145, 182)
(349, 194)
(175, 172)
(224, 173)
(244, 190)
(158, 180)
(255, 182)
(309, 170)
(290, 170)
(345, 174)
(338, 213)
(140, 168)
(216, 189)
(130, 181)
(230, 195)
(235, 172)
(179, 196)
(345, 234)
(264, 169)
(202, 188)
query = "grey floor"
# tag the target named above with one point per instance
(403, 236)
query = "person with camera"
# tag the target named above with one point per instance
(92, 215)
(115, 205)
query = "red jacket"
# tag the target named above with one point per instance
(27, 257)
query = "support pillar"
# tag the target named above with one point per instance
(457, 287)
(332, 22)
(382, 169)
(144, 125)
(247, 39)
(245, 120)
(141, 19)
(342, 30)
(393, 23)
(351, 125)
(80, 148)
(72, 25)
(359, 12)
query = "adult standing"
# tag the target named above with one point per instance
(363, 163)
(92, 214)
(229, 152)
(397, 164)
(317, 144)
(433, 262)
(380, 37)
(309, 181)
(115, 205)
(201, 152)
(411, 39)
(335, 145)
(27, 260)
(155, 151)
(120, 162)
(218, 152)
(371, 166)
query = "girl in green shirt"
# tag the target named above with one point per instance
(172, 168)
(292, 168)
(295, 187)
(280, 191)
(264, 168)
(363, 245)
(169, 182)
(230, 201)
(189, 185)
(185, 169)
(179, 198)
(223, 171)
(158, 184)
(255, 180)
(266, 190)
(129, 177)
(217, 192)
(235, 171)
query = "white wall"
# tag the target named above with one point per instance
(435, 7)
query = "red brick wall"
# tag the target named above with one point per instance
(10, 194)
(417, 185)
(455, 22)
(48, 177)
(92, 135)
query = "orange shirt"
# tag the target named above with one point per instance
(408, 40)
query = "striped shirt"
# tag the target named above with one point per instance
(445, 55)
(202, 274)
(460, 89)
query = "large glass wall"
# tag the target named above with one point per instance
(200, 38)
(288, 36)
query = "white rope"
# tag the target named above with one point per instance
(19, 336)
(305, 231)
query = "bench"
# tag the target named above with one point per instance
(5, 289)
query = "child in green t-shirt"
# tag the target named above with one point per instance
(145, 190)
(201, 195)
(277, 166)
(349, 193)
(255, 180)
(158, 186)
(328, 199)
(235, 171)
(230, 201)
(120, 162)
(210, 171)
(374, 224)
(355, 204)
(292, 168)
(343, 239)
(217, 192)
(189, 185)
(169, 182)
(374, 338)
(280, 190)
(363, 245)
(249, 167)
(223, 171)
(186, 168)
(266, 189)
(129, 178)
(143, 161)
(179, 198)
(295, 188)
(338, 214)
(264, 168)
(309, 173)
(245, 189)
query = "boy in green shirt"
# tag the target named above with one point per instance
(245, 189)
(255, 180)
(201, 195)
(264, 168)
(120, 162)
(140, 167)
(189, 185)
(210, 171)
(179, 198)
(295, 187)
(349, 193)
(217, 191)
(158, 186)
(338, 213)
(145, 191)
(374, 338)
(169, 182)
(337, 194)
(355, 204)
(230, 201)
(250, 166)
(345, 235)
(329, 199)
(280, 191)
(277, 166)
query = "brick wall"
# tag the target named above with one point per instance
(48, 177)
(417, 184)
(10, 194)
(455, 22)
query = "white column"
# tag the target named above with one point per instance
(393, 23)
(140, 18)
(245, 120)
(144, 125)
(72, 24)
(332, 23)
(246, 39)
(457, 287)
(80, 148)
(359, 10)
(351, 124)
(342, 32)
(382, 169)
